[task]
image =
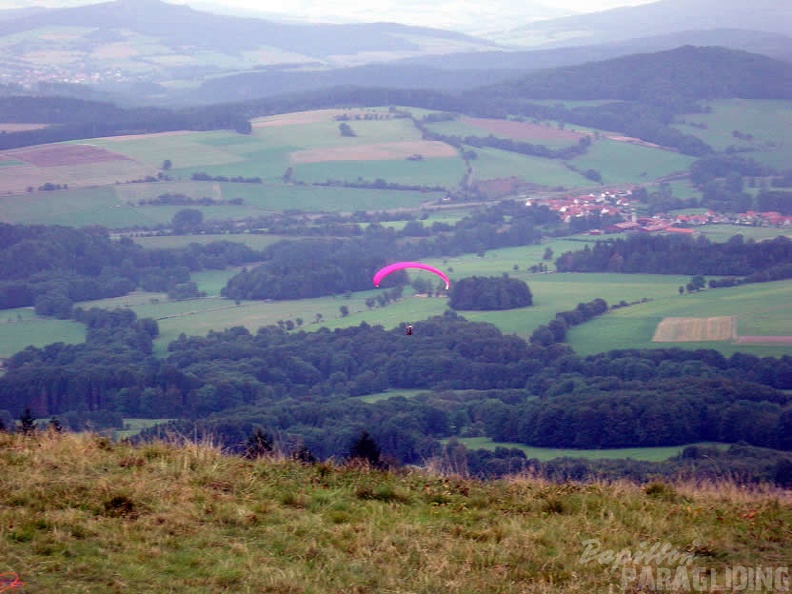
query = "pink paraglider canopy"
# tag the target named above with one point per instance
(401, 265)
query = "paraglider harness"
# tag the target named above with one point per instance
(409, 330)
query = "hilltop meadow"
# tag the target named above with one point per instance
(82, 514)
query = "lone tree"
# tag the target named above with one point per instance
(366, 449)
(27, 422)
(186, 220)
(258, 445)
(346, 129)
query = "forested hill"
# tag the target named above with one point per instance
(689, 72)
(657, 86)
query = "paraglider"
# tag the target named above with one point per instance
(402, 265)
(409, 330)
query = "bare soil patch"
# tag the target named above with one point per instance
(522, 130)
(375, 152)
(694, 329)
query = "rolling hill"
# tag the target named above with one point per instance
(657, 18)
(689, 72)
(132, 40)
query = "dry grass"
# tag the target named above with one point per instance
(79, 513)
(694, 329)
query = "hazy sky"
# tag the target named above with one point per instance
(462, 15)
(473, 16)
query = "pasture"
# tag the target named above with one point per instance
(118, 207)
(21, 327)
(257, 241)
(441, 172)
(658, 454)
(493, 163)
(757, 309)
(622, 162)
(762, 128)
(546, 134)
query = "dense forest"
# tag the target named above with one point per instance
(659, 254)
(301, 387)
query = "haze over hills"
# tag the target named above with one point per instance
(664, 16)
(148, 51)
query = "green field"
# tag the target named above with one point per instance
(769, 122)
(621, 162)
(118, 207)
(21, 327)
(762, 309)
(462, 128)
(759, 309)
(257, 241)
(544, 454)
(444, 172)
(134, 426)
(494, 163)
(389, 394)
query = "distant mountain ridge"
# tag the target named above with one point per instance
(656, 18)
(181, 25)
(688, 72)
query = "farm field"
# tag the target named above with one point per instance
(658, 454)
(621, 162)
(545, 134)
(758, 310)
(117, 207)
(21, 327)
(721, 233)
(66, 164)
(257, 241)
(445, 172)
(494, 163)
(761, 310)
(768, 123)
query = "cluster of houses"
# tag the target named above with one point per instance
(33, 78)
(618, 204)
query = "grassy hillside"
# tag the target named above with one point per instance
(81, 514)
(761, 127)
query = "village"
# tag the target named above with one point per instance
(618, 204)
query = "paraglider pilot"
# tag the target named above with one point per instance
(409, 330)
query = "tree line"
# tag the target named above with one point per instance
(54, 267)
(660, 254)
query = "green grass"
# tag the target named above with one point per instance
(370, 398)
(73, 207)
(621, 162)
(184, 150)
(445, 172)
(21, 327)
(658, 454)
(768, 121)
(759, 309)
(134, 426)
(493, 163)
(119, 207)
(722, 233)
(257, 241)
(81, 514)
